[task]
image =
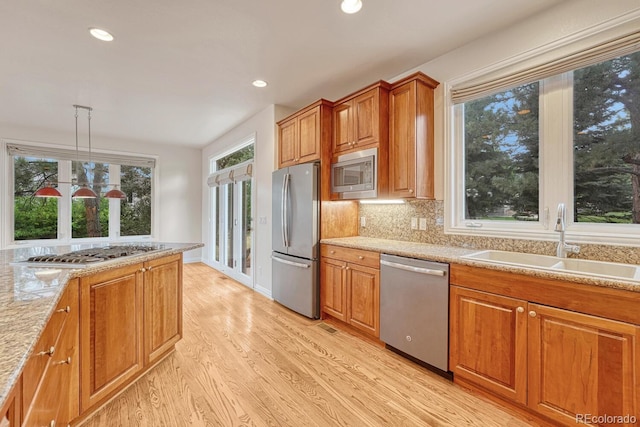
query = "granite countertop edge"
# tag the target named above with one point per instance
(452, 254)
(15, 354)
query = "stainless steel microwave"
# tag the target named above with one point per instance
(355, 175)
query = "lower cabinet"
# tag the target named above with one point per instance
(350, 287)
(564, 365)
(49, 392)
(111, 315)
(10, 413)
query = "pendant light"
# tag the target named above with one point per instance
(48, 191)
(83, 192)
(115, 194)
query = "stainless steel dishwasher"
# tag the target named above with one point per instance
(414, 308)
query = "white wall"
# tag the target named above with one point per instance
(263, 125)
(567, 20)
(179, 174)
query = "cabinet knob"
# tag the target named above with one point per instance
(360, 257)
(49, 352)
(411, 190)
(52, 423)
(67, 361)
(520, 309)
(532, 313)
(66, 309)
(142, 270)
(347, 268)
(149, 268)
(332, 252)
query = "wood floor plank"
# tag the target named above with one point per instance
(245, 360)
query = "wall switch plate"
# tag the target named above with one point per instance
(414, 223)
(363, 221)
(423, 223)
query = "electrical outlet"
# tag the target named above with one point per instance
(363, 221)
(423, 224)
(414, 223)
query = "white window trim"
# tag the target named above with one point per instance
(64, 225)
(555, 104)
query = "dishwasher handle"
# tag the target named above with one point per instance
(427, 271)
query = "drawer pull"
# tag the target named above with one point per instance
(520, 309)
(49, 352)
(360, 257)
(149, 268)
(533, 313)
(142, 270)
(66, 309)
(67, 361)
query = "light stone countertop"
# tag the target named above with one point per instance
(27, 302)
(452, 254)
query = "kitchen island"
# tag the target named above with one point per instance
(31, 297)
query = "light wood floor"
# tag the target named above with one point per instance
(247, 361)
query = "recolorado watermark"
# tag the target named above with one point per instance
(605, 419)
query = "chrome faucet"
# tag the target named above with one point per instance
(563, 247)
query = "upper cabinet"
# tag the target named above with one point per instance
(411, 137)
(302, 135)
(361, 120)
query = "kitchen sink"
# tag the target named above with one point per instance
(610, 270)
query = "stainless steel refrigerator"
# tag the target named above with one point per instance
(296, 212)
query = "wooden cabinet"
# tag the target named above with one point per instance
(301, 135)
(360, 120)
(350, 287)
(162, 306)
(10, 413)
(489, 341)
(551, 361)
(111, 316)
(50, 379)
(580, 364)
(411, 157)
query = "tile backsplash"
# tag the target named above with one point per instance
(394, 222)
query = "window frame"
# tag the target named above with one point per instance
(556, 177)
(64, 203)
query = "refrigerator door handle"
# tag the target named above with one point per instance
(286, 200)
(294, 264)
(283, 210)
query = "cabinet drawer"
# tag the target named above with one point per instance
(355, 256)
(40, 356)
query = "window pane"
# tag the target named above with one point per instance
(246, 227)
(607, 141)
(501, 155)
(90, 217)
(34, 217)
(135, 210)
(235, 158)
(229, 229)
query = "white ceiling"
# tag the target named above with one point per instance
(180, 71)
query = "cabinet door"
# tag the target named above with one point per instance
(110, 331)
(334, 290)
(488, 342)
(342, 131)
(366, 119)
(402, 141)
(287, 144)
(363, 298)
(580, 364)
(310, 135)
(10, 413)
(162, 306)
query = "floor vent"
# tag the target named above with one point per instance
(327, 328)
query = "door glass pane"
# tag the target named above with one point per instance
(218, 222)
(501, 155)
(34, 217)
(230, 221)
(246, 227)
(606, 135)
(135, 210)
(90, 217)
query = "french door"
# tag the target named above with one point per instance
(233, 230)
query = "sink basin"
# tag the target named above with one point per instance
(609, 270)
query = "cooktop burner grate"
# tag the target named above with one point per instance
(88, 256)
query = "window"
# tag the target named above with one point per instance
(65, 218)
(571, 137)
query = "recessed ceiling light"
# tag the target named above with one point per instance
(101, 34)
(259, 83)
(351, 6)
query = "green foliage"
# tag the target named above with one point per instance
(235, 158)
(35, 218)
(135, 211)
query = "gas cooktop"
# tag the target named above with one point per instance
(85, 257)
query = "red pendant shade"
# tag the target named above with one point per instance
(84, 192)
(48, 191)
(115, 194)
